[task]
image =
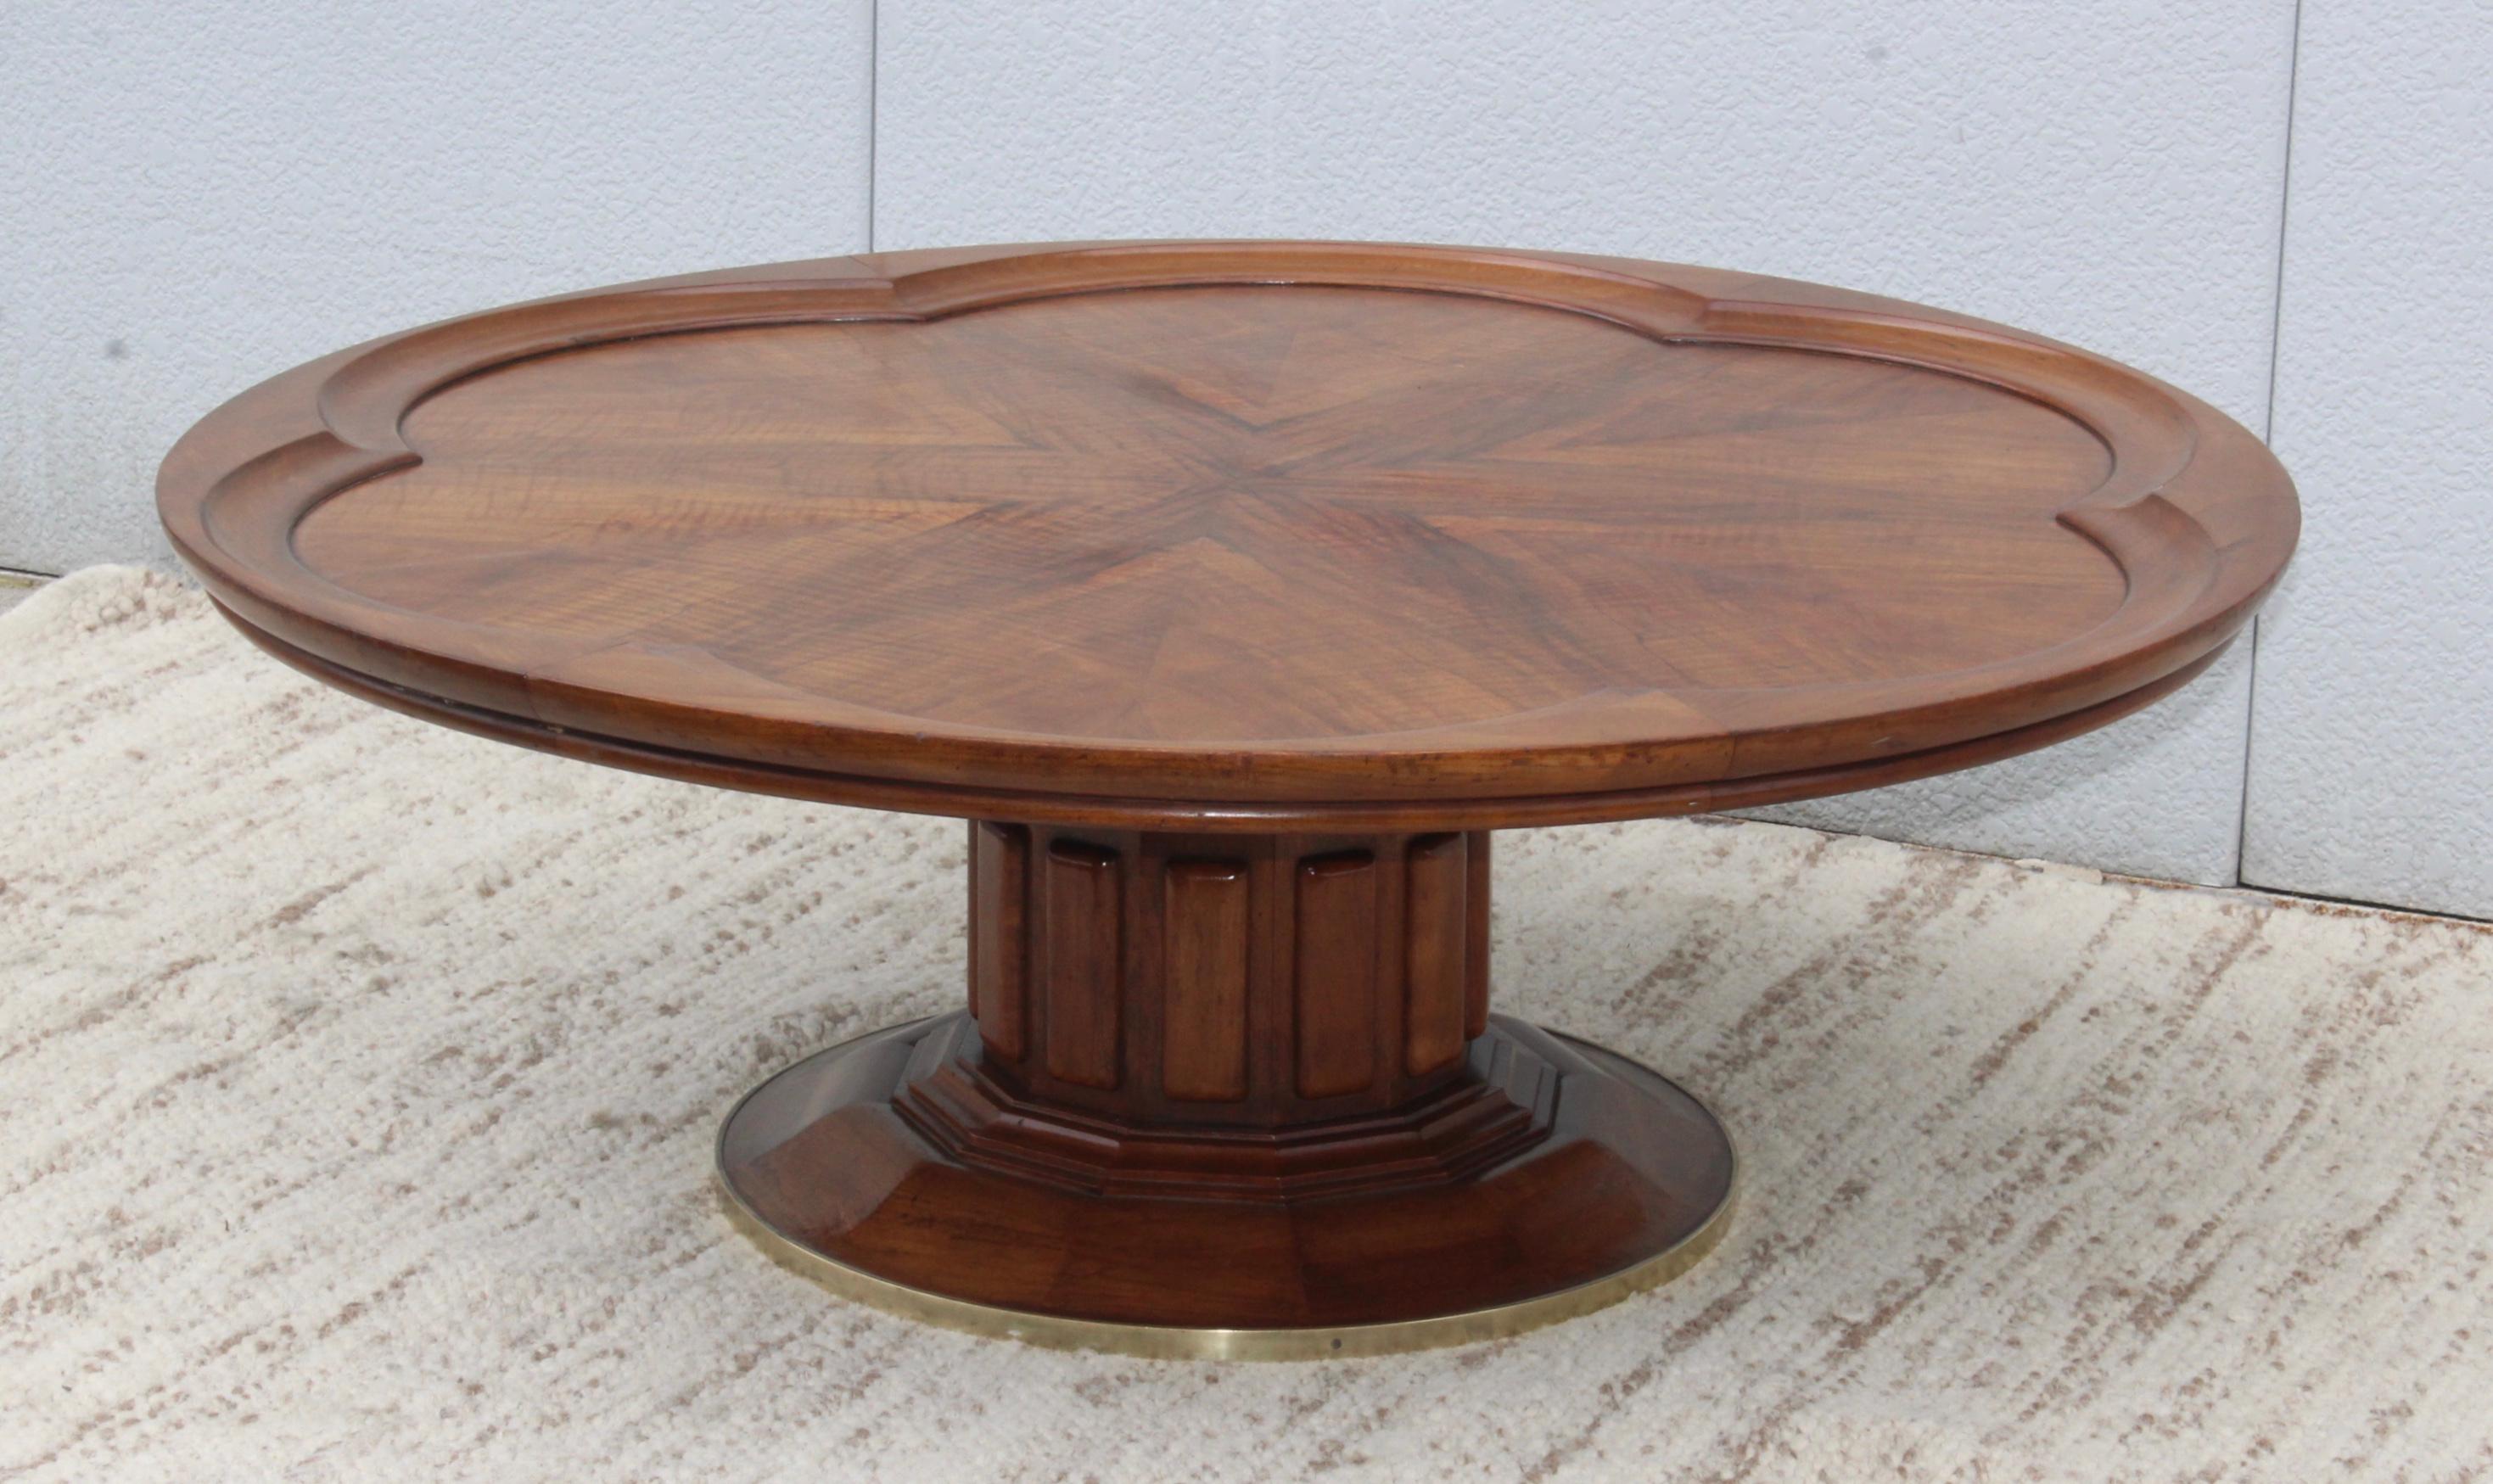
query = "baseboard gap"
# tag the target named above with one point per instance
(2316, 900)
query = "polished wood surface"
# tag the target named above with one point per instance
(1225, 1081)
(1272, 534)
(1598, 1165)
(1223, 979)
(1234, 592)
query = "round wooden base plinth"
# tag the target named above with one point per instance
(1605, 1180)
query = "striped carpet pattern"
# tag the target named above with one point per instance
(357, 1083)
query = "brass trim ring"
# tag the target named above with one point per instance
(1172, 1341)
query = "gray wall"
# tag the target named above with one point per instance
(2372, 732)
(202, 193)
(220, 192)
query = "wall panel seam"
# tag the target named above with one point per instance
(873, 110)
(2268, 430)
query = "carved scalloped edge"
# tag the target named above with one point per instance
(2164, 622)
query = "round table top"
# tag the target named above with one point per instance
(1238, 535)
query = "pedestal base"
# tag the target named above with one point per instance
(1550, 1179)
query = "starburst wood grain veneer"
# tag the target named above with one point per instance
(1235, 592)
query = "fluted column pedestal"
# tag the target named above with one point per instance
(1228, 1095)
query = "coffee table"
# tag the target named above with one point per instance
(1235, 592)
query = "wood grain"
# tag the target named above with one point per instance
(1334, 957)
(1086, 971)
(1238, 589)
(1225, 981)
(1475, 960)
(1203, 1035)
(1437, 935)
(1000, 933)
(1280, 529)
(1561, 1164)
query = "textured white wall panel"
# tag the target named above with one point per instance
(202, 193)
(2372, 735)
(2107, 174)
(2158, 794)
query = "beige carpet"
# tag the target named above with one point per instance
(357, 1083)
